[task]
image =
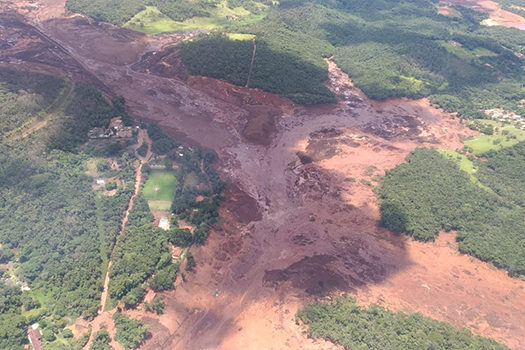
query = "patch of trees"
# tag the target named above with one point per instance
(12, 323)
(160, 142)
(430, 194)
(388, 48)
(23, 95)
(101, 341)
(155, 305)
(130, 332)
(201, 214)
(275, 71)
(87, 109)
(516, 6)
(355, 327)
(137, 256)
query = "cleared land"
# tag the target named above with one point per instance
(505, 135)
(159, 189)
(153, 21)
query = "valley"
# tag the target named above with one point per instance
(299, 216)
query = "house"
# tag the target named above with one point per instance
(34, 336)
(101, 182)
(24, 287)
(116, 129)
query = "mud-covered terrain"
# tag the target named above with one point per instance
(300, 216)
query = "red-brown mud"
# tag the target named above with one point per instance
(299, 219)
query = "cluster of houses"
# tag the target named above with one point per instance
(505, 116)
(116, 129)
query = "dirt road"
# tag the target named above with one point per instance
(104, 317)
(298, 221)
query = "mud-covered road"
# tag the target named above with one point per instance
(299, 220)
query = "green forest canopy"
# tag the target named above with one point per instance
(389, 48)
(430, 193)
(346, 323)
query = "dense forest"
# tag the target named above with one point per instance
(389, 48)
(355, 327)
(430, 194)
(87, 109)
(12, 323)
(273, 71)
(140, 252)
(401, 48)
(56, 232)
(25, 95)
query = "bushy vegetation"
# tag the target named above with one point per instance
(137, 255)
(121, 11)
(101, 341)
(130, 332)
(389, 48)
(430, 193)
(12, 323)
(87, 109)
(24, 95)
(354, 327)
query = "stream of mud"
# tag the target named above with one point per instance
(294, 227)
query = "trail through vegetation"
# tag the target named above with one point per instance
(254, 41)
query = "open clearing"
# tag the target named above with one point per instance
(505, 135)
(159, 189)
(153, 21)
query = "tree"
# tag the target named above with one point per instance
(130, 332)
(156, 305)
(101, 341)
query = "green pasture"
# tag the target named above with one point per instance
(152, 21)
(159, 189)
(505, 135)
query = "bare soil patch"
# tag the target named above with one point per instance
(290, 219)
(498, 16)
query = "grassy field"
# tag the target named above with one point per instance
(465, 164)
(465, 53)
(484, 143)
(240, 36)
(152, 21)
(159, 189)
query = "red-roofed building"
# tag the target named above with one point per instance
(34, 336)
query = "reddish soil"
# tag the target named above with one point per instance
(497, 15)
(447, 11)
(295, 227)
